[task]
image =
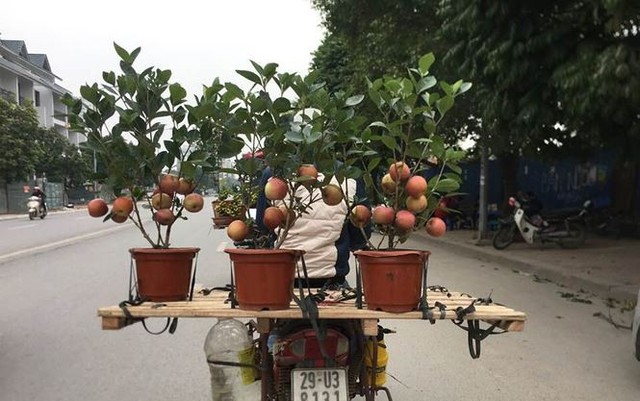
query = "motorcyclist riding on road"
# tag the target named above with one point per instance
(40, 194)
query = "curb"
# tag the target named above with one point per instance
(621, 293)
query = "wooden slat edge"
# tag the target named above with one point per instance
(508, 325)
(117, 323)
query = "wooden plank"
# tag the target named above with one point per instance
(213, 305)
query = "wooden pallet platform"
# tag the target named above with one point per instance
(215, 305)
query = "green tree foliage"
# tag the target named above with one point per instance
(533, 65)
(546, 62)
(19, 138)
(62, 161)
(26, 148)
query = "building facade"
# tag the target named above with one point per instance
(27, 78)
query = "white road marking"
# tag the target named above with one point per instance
(68, 241)
(21, 227)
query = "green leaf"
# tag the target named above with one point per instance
(446, 185)
(379, 124)
(426, 83)
(373, 164)
(178, 93)
(233, 91)
(257, 67)
(294, 136)
(89, 93)
(173, 148)
(251, 76)
(109, 77)
(122, 53)
(465, 87)
(425, 63)
(448, 90)
(445, 104)
(375, 97)
(281, 105)
(389, 141)
(429, 127)
(354, 100)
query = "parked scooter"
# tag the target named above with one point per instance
(568, 232)
(36, 208)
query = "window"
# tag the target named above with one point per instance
(37, 98)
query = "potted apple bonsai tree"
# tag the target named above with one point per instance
(408, 168)
(294, 125)
(151, 144)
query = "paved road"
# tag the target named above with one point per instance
(52, 347)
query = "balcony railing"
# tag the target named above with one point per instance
(8, 95)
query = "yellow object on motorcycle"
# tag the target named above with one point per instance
(381, 362)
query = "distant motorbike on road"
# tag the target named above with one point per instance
(568, 232)
(35, 206)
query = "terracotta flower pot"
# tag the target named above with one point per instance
(164, 275)
(263, 277)
(392, 279)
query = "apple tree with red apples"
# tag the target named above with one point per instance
(150, 140)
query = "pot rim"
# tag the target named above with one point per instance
(386, 253)
(165, 250)
(261, 251)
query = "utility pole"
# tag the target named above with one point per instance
(483, 234)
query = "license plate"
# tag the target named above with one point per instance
(320, 384)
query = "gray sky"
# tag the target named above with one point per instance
(197, 40)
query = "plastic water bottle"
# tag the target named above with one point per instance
(228, 341)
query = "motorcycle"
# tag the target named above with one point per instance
(568, 232)
(36, 208)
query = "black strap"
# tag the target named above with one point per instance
(171, 325)
(475, 334)
(237, 364)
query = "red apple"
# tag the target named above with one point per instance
(416, 186)
(122, 206)
(399, 171)
(185, 186)
(118, 219)
(275, 189)
(360, 215)
(416, 205)
(161, 200)
(237, 230)
(308, 174)
(193, 202)
(168, 184)
(272, 217)
(388, 184)
(164, 217)
(97, 207)
(405, 220)
(332, 194)
(383, 215)
(436, 227)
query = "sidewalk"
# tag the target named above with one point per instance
(606, 267)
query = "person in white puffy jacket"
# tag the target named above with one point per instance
(325, 234)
